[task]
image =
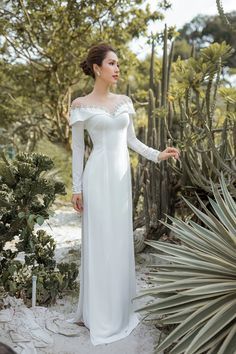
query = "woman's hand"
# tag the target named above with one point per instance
(169, 152)
(77, 201)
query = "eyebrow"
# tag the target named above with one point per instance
(114, 60)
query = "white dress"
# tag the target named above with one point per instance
(107, 271)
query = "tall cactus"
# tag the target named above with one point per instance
(156, 179)
(181, 110)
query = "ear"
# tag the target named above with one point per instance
(95, 67)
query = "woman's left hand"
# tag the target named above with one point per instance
(169, 152)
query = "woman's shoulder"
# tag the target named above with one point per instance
(125, 97)
(85, 99)
(77, 101)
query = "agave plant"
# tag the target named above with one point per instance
(196, 289)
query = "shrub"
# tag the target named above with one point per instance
(196, 289)
(27, 191)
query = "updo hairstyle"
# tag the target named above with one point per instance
(96, 55)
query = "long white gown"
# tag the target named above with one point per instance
(107, 271)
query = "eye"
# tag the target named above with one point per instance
(114, 63)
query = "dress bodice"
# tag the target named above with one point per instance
(83, 112)
(107, 128)
(111, 131)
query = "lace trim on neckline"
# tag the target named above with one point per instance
(101, 107)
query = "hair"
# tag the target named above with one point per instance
(96, 55)
(5, 349)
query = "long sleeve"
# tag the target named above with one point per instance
(135, 144)
(77, 156)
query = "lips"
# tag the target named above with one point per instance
(115, 76)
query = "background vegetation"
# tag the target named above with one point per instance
(183, 97)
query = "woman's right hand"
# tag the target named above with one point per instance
(77, 201)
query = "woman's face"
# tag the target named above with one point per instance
(109, 71)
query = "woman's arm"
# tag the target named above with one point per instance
(77, 156)
(135, 144)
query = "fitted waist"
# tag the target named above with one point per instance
(98, 149)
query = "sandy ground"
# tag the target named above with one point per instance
(65, 227)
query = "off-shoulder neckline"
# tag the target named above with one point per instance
(83, 106)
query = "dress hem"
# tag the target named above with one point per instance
(137, 319)
(119, 335)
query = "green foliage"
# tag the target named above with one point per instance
(52, 283)
(27, 195)
(195, 288)
(27, 192)
(16, 279)
(182, 49)
(229, 95)
(203, 30)
(186, 107)
(198, 96)
(194, 72)
(62, 162)
(43, 247)
(50, 39)
(223, 16)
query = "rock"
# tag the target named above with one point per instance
(139, 238)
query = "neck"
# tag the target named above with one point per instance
(101, 89)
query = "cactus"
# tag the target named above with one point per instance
(181, 112)
(223, 16)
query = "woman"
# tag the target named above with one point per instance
(102, 194)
